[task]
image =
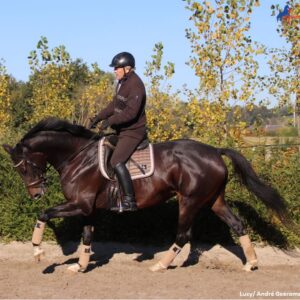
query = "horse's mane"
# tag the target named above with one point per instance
(55, 124)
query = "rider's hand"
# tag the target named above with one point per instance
(104, 125)
(94, 121)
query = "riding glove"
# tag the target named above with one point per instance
(94, 121)
(104, 125)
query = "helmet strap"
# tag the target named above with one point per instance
(126, 73)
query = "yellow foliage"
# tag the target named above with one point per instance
(5, 102)
(223, 59)
(165, 118)
(92, 99)
(51, 93)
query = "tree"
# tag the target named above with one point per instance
(94, 95)
(51, 82)
(5, 100)
(223, 57)
(64, 88)
(21, 93)
(165, 111)
(285, 63)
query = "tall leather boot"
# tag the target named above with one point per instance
(125, 182)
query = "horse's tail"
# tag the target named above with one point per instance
(267, 194)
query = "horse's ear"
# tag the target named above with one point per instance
(7, 148)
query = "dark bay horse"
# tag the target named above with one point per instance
(190, 170)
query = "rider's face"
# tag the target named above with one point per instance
(119, 73)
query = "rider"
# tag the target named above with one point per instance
(126, 114)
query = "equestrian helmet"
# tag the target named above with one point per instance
(122, 60)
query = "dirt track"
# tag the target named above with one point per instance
(121, 271)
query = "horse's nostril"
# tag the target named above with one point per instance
(37, 196)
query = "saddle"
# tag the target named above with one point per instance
(139, 165)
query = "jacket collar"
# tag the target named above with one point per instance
(128, 75)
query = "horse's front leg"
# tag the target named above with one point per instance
(62, 210)
(85, 250)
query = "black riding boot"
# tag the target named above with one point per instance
(125, 182)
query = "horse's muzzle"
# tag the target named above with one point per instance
(37, 192)
(37, 196)
(37, 189)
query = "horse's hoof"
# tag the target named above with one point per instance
(250, 266)
(38, 254)
(158, 267)
(75, 268)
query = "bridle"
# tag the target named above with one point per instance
(41, 181)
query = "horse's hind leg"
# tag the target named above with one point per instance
(221, 209)
(187, 213)
(85, 248)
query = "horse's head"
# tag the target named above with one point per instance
(31, 166)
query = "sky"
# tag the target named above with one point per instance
(96, 30)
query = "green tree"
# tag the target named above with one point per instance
(21, 93)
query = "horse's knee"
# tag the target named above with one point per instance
(44, 217)
(87, 235)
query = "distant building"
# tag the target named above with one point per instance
(272, 128)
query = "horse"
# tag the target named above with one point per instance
(191, 171)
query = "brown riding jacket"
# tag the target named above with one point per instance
(126, 112)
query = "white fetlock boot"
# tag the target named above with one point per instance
(168, 258)
(83, 261)
(36, 240)
(252, 262)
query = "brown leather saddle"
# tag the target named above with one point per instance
(139, 165)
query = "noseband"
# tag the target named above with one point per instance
(36, 183)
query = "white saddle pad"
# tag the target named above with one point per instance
(144, 158)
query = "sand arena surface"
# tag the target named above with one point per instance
(122, 271)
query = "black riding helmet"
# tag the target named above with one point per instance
(122, 60)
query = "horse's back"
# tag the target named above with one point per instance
(187, 147)
(190, 157)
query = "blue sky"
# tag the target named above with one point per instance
(96, 30)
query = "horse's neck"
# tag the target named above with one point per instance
(57, 147)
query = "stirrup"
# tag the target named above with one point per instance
(124, 205)
(129, 205)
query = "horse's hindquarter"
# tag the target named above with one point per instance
(184, 167)
(202, 168)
